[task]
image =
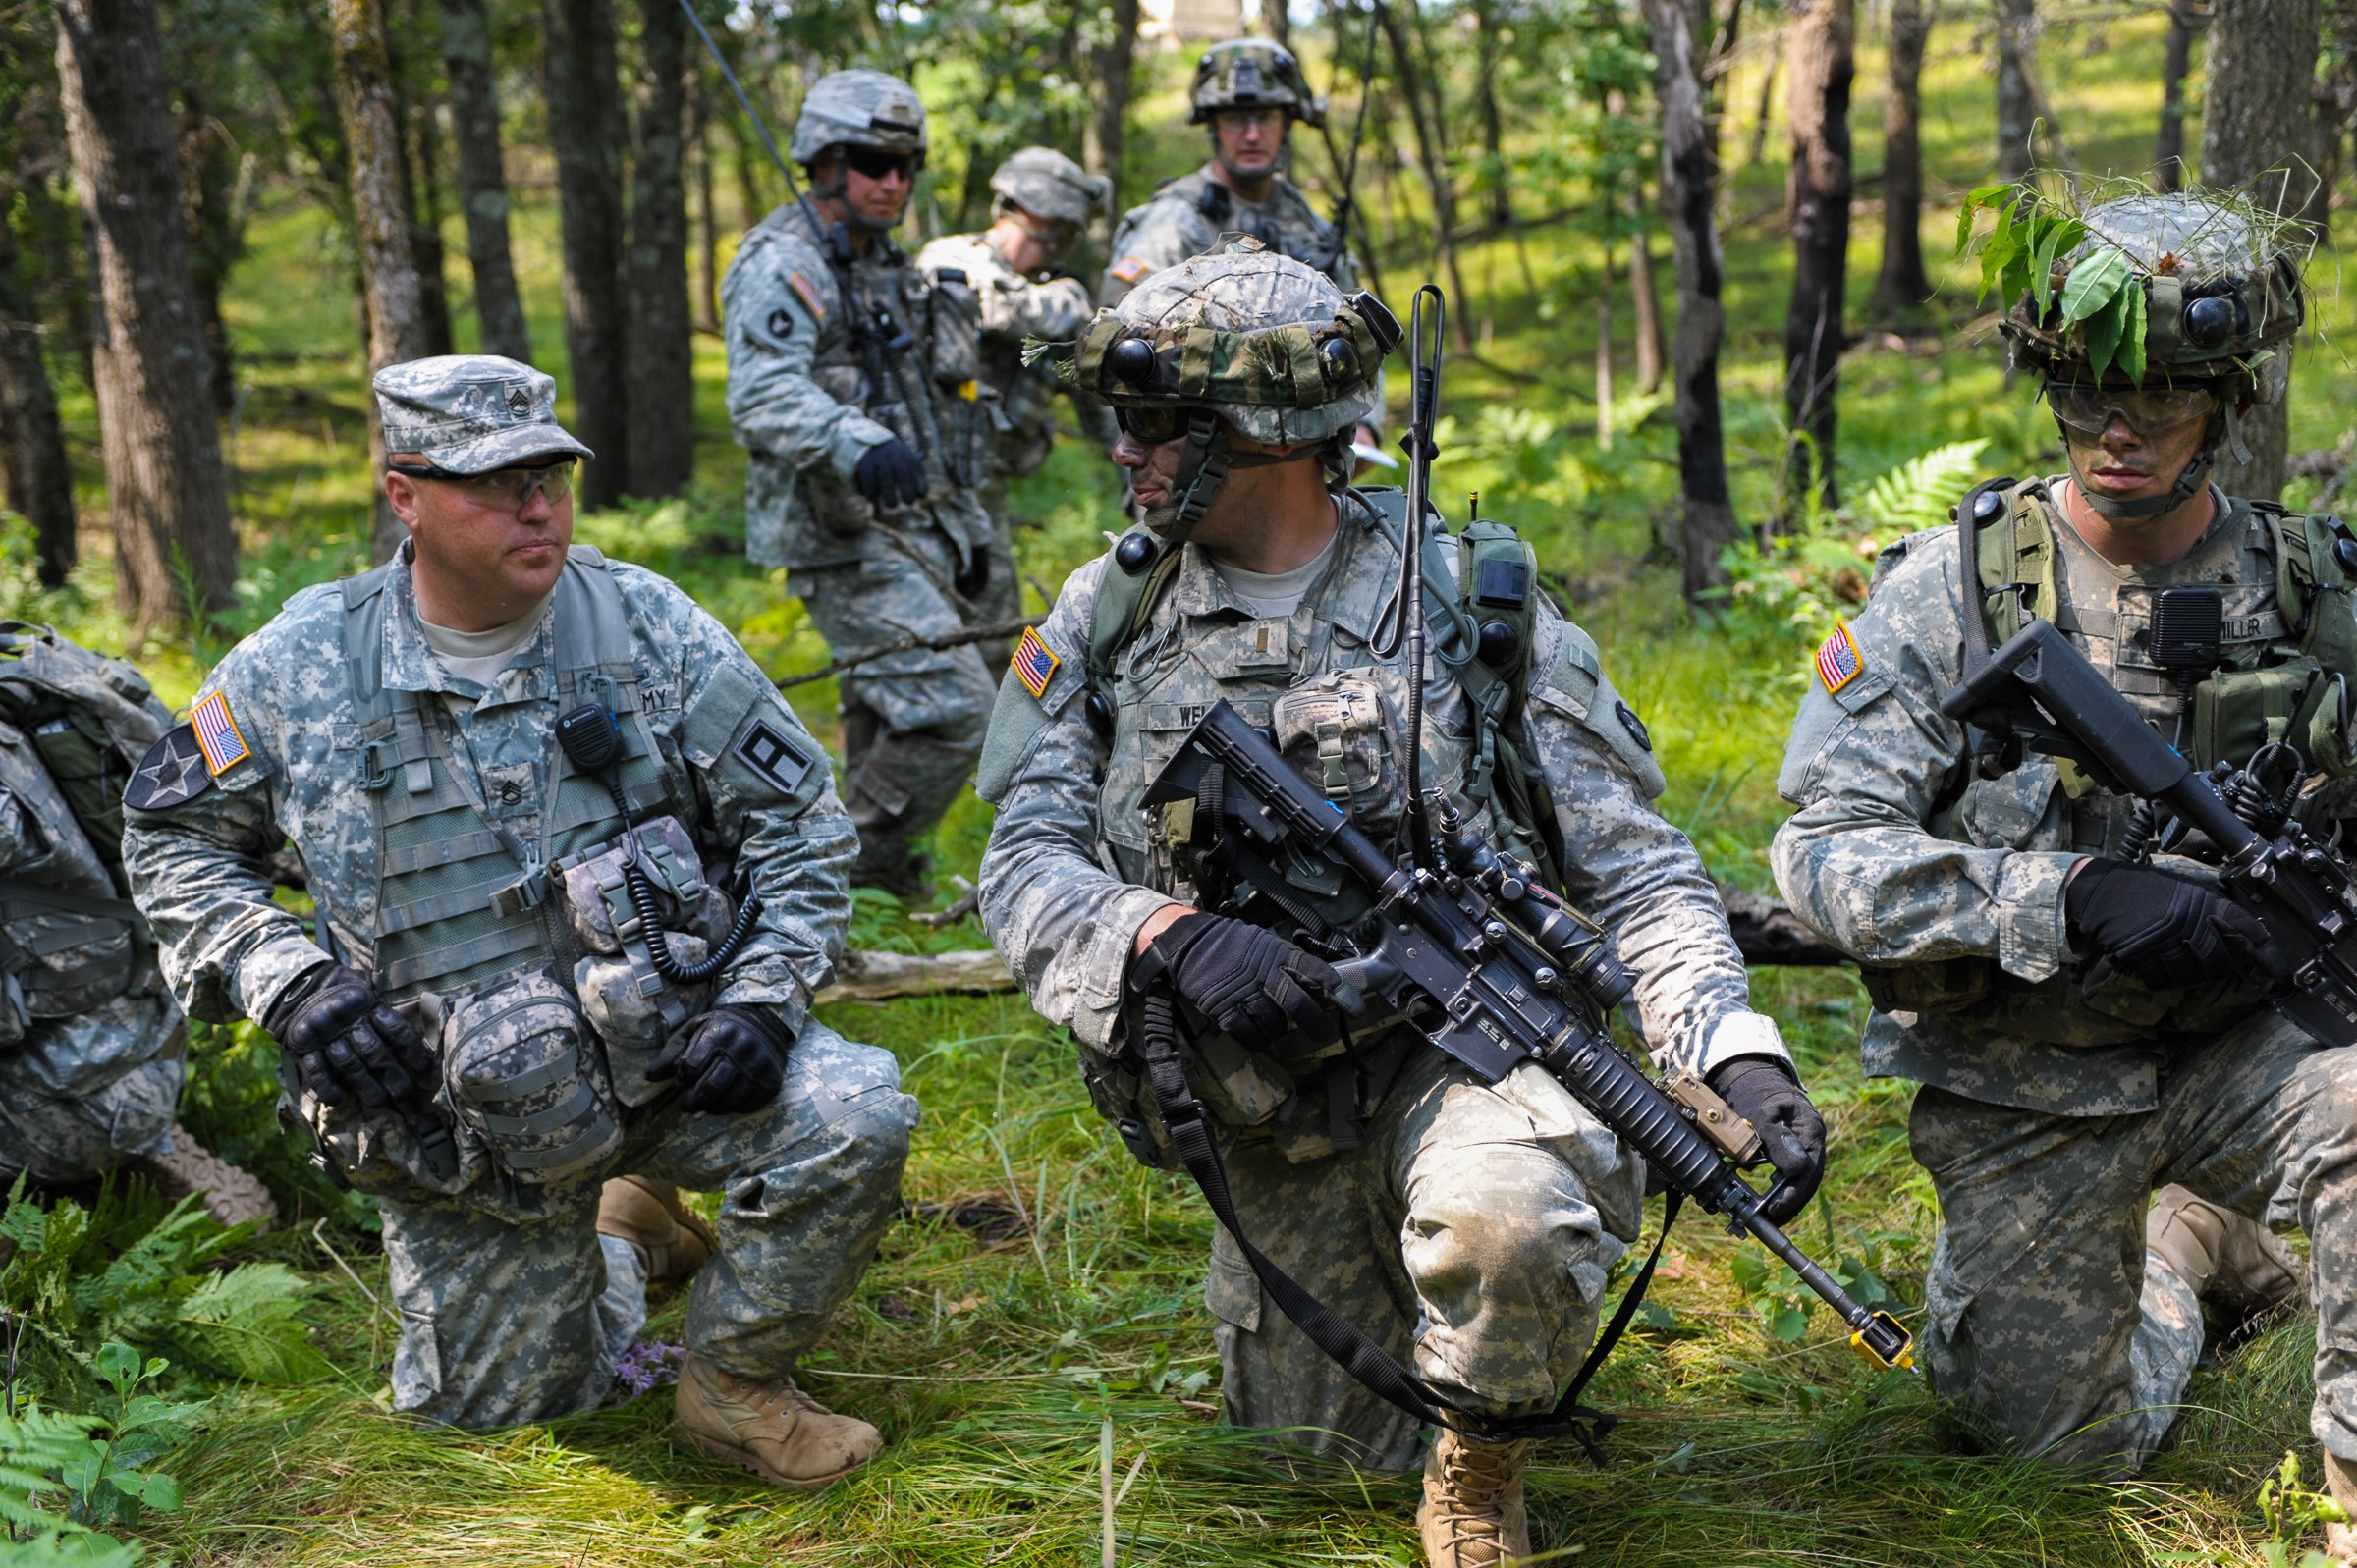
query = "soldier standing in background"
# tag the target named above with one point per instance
(2086, 1014)
(1040, 200)
(854, 385)
(578, 872)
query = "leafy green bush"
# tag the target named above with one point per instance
(97, 1466)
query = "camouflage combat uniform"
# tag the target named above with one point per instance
(90, 1043)
(1187, 216)
(338, 727)
(1469, 1225)
(2058, 1093)
(831, 355)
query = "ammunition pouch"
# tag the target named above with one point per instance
(524, 1084)
(626, 1001)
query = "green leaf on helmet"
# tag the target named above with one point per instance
(2091, 285)
(1981, 197)
(2131, 337)
(2002, 251)
(2102, 334)
(2055, 236)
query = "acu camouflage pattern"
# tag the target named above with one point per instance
(860, 109)
(472, 412)
(2055, 1101)
(1048, 184)
(496, 1281)
(90, 1042)
(1187, 216)
(1074, 868)
(1251, 73)
(1012, 307)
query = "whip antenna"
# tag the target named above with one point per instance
(760, 126)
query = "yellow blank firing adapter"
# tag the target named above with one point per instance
(1904, 1358)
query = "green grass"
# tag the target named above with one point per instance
(991, 1369)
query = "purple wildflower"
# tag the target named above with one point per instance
(648, 1364)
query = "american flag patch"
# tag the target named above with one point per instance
(807, 294)
(1128, 269)
(1034, 664)
(217, 735)
(1838, 661)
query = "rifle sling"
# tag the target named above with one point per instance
(1375, 1368)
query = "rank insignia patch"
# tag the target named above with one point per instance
(807, 294)
(1034, 663)
(1838, 661)
(217, 734)
(172, 773)
(1128, 269)
(766, 749)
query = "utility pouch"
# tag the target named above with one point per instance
(2235, 712)
(522, 1081)
(1335, 729)
(626, 999)
(2321, 728)
(1946, 984)
(959, 410)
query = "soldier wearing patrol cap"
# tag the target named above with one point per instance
(1040, 201)
(1469, 1226)
(578, 873)
(2086, 1014)
(855, 385)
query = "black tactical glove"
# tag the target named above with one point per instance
(732, 1059)
(1253, 984)
(2160, 929)
(345, 1041)
(1763, 1092)
(891, 474)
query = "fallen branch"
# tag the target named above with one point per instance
(867, 976)
(1769, 933)
(960, 638)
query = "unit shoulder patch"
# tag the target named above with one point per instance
(217, 734)
(775, 755)
(1634, 725)
(172, 773)
(1034, 663)
(1838, 662)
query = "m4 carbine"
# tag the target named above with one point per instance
(1483, 961)
(2042, 690)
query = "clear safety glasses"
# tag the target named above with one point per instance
(2148, 411)
(508, 489)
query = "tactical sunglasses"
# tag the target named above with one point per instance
(509, 488)
(2147, 411)
(874, 163)
(1153, 423)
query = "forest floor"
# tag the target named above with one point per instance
(992, 1354)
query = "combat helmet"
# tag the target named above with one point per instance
(1048, 184)
(2221, 294)
(860, 109)
(1251, 73)
(1240, 338)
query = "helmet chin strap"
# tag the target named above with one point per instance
(1203, 467)
(2189, 483)
(835, 188)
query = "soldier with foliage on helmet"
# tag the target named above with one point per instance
(1040, 201)
(854, 385)
(2086, 1014)
(1469, 1226)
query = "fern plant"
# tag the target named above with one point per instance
(67, 1479)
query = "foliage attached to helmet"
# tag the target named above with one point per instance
(1251, 73)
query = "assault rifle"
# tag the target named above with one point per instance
(1490, 968)
(2042, 689)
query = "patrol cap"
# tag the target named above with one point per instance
(858, 109)
(1251, 73)
(1048, 184)
(472, 412)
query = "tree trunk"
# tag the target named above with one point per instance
(1110, 84)
(175, 553)
(1645, 298)
(1822, 40)
(32, 443)
(2016, 114)
(1426, 118)
(211, 167)
(1604, 352)
(422, 183)
(707, 252)
(1689, 179)
(380, 219)
(1279, 23)
(751, 173)
(662, 391)
(2259, 129)
(1903, 284)
(482, 178)
(583, 97)
(1493, 122)
(1757, 152)
(2185, 19)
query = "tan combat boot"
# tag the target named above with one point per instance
(2340, 1478)
(770, 1428)
(1472, 1514)
(2236, 1264)
(231, 1196)
(673, 1240)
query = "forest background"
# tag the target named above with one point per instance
(1031, 1339)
